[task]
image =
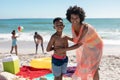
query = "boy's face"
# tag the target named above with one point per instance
(58, 25)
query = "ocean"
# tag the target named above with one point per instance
(107, 28)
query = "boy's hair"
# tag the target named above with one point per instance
(57, 19)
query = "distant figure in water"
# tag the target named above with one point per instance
(38, 40)
(14, 42)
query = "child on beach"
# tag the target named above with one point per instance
(38, 40)
(59, 60)
(14, 42)
(57, 43)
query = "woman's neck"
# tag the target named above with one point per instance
(77, 25)
(77, 28)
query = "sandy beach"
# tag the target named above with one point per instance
(109, 66)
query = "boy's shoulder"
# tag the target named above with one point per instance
(63, 35)
(53, 36)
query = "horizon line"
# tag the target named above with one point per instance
(65, 18)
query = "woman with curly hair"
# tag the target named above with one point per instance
(90, 52)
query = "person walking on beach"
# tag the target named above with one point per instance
(14, 42)
(59, 60)
(90, 52)
(38, 40)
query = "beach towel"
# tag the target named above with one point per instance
(46, 77)
(51, 77)
(70, 71)
(88, 55)
(31, 73)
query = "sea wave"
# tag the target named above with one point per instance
(111, 39)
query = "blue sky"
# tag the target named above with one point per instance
(54, 8)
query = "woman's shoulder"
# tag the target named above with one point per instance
(89, 26)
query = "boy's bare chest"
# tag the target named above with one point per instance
(60, 42)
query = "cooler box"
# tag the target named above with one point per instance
(11, 64)
(44, 63)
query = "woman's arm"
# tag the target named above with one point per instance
(73, 47)
(69, 38)
(84, 31)
(60, 50)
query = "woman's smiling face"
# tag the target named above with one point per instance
(75, 19)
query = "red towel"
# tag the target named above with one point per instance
(31, 73)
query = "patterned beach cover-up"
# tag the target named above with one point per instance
(88, 55)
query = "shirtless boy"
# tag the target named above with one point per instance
(59, 60)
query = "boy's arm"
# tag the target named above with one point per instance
(50, 45)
